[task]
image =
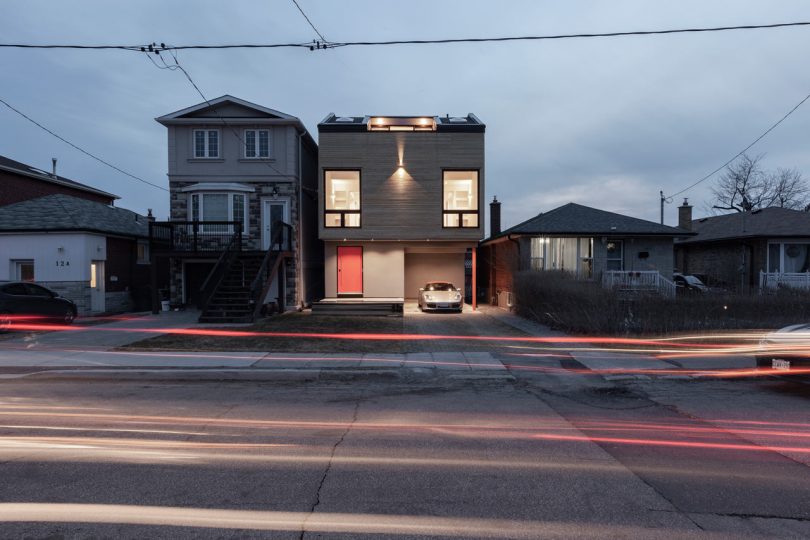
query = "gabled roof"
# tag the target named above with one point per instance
(577, 220)
(767, 222)
(10, 165)
(65, 213)
(212, 103)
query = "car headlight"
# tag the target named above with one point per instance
(428, 298)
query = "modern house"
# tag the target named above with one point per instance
(21, 182)
(400, 204)
(746, 251)
(89, 252)
(614, 249)
(242, 231)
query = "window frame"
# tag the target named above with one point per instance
(460, 213)
(344, 213)
(207, 145)
(620, 258)
(145, 245)
(257, 145)
(200, 196)
(17, 265)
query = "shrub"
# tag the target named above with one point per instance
(560, 301)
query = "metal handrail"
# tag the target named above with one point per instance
(219, 270)
(281, 242)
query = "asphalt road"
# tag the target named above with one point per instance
(539, 455)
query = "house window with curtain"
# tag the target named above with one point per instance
(206, 143)
(460, 199)
(257, 143)
(789, 257)
(218, 207)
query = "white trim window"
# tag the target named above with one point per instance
(257, 143)
(206, 143)
(215, 206)
(23, 269)
(615, 255)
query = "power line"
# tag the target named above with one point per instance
(177, 66)
(82, 150)
(307, 18)
(744, 150)
(331, 45)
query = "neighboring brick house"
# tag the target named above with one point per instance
(587, 242)
(87, 251)
(21, 182)
(238, 174)
(400, 204)
(744, 251)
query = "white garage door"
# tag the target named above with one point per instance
(423, 267)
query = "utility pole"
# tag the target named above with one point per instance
(662, 206)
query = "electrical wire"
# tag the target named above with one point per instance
(80, 149)
(741, 152)
(307, 18)
(331, 45)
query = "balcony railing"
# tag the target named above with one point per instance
(195, 236)
(774, 280)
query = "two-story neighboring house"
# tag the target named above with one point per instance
(400, 202)
(243, 185)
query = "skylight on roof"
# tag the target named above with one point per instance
(344, 119)
(458, 120)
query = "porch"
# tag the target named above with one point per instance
(774, 280)
(638, 281)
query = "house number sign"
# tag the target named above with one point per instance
(62, 263)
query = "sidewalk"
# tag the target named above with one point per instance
(619, 361)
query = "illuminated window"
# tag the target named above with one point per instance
(460, 207)
(206, 143)
(23, 270)
(342, 199)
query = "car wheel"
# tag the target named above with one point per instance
(5, 322)
(69, 316)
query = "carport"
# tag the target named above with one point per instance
(422, 266)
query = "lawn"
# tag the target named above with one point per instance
(467, 324)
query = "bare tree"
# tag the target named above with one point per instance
(746, 186)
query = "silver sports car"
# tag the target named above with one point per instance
(440, 295)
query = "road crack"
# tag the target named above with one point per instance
(326, 471)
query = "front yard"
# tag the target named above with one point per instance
(449, 324)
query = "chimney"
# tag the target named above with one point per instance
(494, 217)
(149, 216)
(685, 215)
(53, 161)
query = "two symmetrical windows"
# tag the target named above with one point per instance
(257, 143)
(342, 198)
(218, 207)
(206, 143)
(460, 196)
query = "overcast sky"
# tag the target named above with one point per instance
(602, 122)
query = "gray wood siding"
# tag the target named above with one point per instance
(407, 207)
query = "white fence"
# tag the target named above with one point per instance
(773, 280)
(648, 280)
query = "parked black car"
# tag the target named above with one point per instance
(19, 300)
(689, 284)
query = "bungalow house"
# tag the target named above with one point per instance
(400, 204)
(592, 244)
(21, 182)
(242, 231)
(746, 251)
(87, 251)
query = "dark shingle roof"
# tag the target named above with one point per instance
(770, 222)
(574, 219)
(33, 172)
(65, 213)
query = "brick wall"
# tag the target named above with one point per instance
(17, 187)
(734, 265)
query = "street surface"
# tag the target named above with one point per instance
(510, 443)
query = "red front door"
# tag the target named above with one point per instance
(350, 270)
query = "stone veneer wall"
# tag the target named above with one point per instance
(286, 190)
(117, 302)
(76, 291)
